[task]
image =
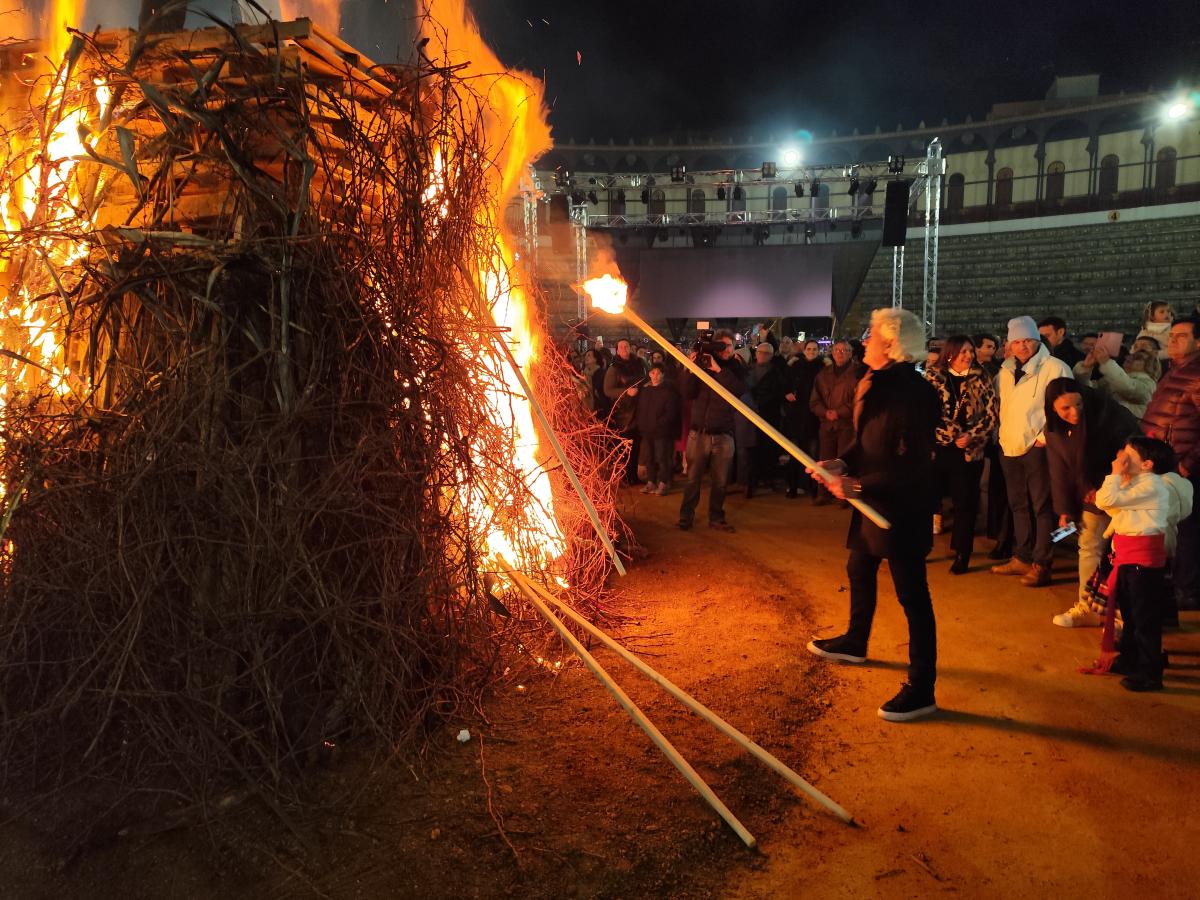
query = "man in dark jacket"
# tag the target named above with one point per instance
(768, 384)
(710, 438)
(657, 423)
(890, 466)
(832, 402)
(1173, 415)
(621, 383)
(1054, 332)
(1084, 430)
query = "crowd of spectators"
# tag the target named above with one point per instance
(1048, 435)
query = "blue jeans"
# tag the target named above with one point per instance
(712, 452)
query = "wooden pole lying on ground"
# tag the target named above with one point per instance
(697, 707)
(631, 708)
(770, 430)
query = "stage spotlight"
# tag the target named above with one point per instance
(592, 198)
(869, 187)
(738, 193)
(1178, 110)
(721, 193)
(768, 170)
(678, 173)
(577, 197)
(791, 157)
(815, 188)
(895, 165)
(591, 181)
(645, 197)
(852, 190)
(562, 177)
(799, 188)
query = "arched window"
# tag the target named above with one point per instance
(957, 187)
(1110, 168)
(657, 205)
(1164, 176)
(821, 198)
(1056, 178)
(779, 198)
(1004, 187)
(696, 202)
(737, 201)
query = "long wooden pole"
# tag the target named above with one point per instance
(502, 340)
(763, 756)
(765, 426)
(631, 708)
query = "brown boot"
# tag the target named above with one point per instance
(1037, 576)
(1013, 567)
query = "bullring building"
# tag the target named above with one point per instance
(1078, 204)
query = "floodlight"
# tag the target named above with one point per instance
(678, 173)
(1178, 110)
(791, 157)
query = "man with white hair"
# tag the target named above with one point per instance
(890, 466)
(1021, 385)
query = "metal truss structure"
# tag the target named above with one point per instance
(925, 181)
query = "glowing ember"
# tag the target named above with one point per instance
(608, 293)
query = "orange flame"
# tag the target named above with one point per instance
(608, 293)
(515, 132)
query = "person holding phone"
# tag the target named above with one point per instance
(1131, 385)
(1085, 429)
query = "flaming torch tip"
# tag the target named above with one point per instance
(607, 293)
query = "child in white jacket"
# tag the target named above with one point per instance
(1144, 509)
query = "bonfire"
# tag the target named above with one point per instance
(276, 404)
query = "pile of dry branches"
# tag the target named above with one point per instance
(240, 527)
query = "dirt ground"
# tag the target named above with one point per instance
(1032, 780)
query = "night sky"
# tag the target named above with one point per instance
(758, 67)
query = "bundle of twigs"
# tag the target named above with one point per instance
(251, 519)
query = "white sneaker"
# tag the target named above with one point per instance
(661, 490)
(648, 487)
(937, 523)
(1079, 616)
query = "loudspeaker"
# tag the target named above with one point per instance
(895, 214)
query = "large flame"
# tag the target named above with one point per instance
(516, 133)
(608, 293)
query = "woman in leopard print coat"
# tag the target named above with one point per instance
(970, 413)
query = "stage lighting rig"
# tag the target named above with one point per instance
(895, 165)
(562, 177)
(592, 198)
(852, 190)
(815, 187)
(768, 170)
(799, 188)
(869, 187)
(678, 174)
(721, 193)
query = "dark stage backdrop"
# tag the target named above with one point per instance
(791, 280)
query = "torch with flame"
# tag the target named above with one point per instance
(610, 294)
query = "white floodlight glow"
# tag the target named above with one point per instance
(1178, 110)
(790, 157)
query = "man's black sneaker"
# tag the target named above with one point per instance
(837, 648)
(1140, 683)
(907, 705)
(684, 526)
